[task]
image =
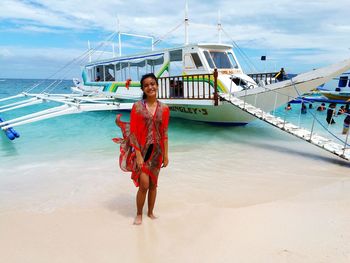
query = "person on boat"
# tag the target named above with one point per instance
(144, 148)
(331, 113)
(322, 107)
(346, 124)
(341, 110)
(98, 75)
(303, 108)
(288, 107)
(281, 75)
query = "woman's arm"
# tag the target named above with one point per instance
(166, 124)
(165, 158)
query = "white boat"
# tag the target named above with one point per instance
(193, 77)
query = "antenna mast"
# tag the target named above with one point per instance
(89, 48)
(119, 38)
(186, 23)
(219, 26)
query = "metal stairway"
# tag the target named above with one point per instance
(304, 134)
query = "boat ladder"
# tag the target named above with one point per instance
(324, 143)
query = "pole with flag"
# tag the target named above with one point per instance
(263, 58)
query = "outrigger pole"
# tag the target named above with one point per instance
(133, 35)
(70, 104)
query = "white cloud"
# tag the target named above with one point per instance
(281, 27)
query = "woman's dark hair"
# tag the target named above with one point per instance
(149, 75)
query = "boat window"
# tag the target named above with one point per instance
(175, 55)
(142, 70)
(189, 64)
(232, 59)
(175, 65)
(197, 60)
(132, 68)
(156, 64)
(109, 73)
(98, 73)
(209, 59)
(342, 81)
(133, 71)
(220, 59)
(90, 73)
(119, 71)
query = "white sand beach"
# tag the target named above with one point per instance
(262, 201)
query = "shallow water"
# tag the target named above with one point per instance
(73, 159)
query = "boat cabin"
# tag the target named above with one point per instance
(186, 60)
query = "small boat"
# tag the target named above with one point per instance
(342, 92)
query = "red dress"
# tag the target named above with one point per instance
(142, 131)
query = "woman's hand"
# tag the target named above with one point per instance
(165, 161)
(139, 160)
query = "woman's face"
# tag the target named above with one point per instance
(150, 87)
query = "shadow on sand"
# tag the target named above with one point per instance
(124, 204)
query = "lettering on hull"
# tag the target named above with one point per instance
(189, 110)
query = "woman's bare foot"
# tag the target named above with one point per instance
(152, 216)
(138, 220)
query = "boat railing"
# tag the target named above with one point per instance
(265, 78)
(191, 87)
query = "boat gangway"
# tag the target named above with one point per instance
(307, 135)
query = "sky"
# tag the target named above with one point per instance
(38, 37)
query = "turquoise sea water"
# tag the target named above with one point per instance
(59, 155)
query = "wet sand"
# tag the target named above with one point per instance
(249, 201)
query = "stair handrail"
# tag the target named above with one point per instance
(290, 98)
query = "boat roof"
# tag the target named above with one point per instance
(159, 52)
(214, 46)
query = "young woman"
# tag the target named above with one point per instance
(148, 141)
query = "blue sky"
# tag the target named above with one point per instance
(38, 37)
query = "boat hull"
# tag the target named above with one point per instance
(224, 113)
(343, 96)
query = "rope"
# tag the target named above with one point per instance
(250, 64)
(66, 66)
(160, 39)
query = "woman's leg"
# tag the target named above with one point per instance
(152, 194)
(141, 196)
